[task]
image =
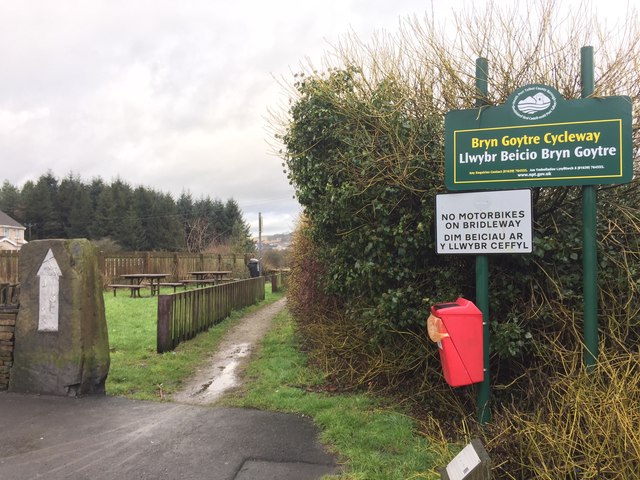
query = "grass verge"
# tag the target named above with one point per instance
(137, 371)
(376, 440)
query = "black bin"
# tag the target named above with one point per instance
(254, 267)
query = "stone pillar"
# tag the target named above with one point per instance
(61, 340)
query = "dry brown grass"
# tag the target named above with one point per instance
(585, 425)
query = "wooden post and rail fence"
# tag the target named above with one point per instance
(181, 316)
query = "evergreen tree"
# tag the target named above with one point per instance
(162, 228)
(184, 206)
(141, 219)
(142, 204)
(81, 214)
(120, 213)
(168, 228)
(131, 235)
(10, 201)
(240, 239)
(102, 225)
(74, 207)
(239, 231)
(220, 230)
(95, 189)
(203, 222)
(122, 194)
(41, 211)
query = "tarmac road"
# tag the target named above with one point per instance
(103, 437)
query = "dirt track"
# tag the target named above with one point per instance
(223, 368)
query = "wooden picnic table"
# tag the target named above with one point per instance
(204, 277)
(154, 280)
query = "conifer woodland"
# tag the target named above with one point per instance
(121, 217)
(362, 143)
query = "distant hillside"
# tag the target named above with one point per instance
(278, 241)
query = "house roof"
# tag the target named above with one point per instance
(7, 221)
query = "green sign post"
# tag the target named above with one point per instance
(589, 231)
(482, 272)
(539, 139)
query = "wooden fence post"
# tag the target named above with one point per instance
(165, 312)
(176, 268)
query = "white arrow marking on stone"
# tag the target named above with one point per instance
(49, 274)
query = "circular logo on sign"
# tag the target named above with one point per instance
(534, 102)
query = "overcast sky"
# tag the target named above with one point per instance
(168, 94)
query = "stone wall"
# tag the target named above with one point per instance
(7, 337)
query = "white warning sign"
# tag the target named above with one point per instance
(484, 222)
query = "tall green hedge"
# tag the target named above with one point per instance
(366, 165)
(363, 147)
